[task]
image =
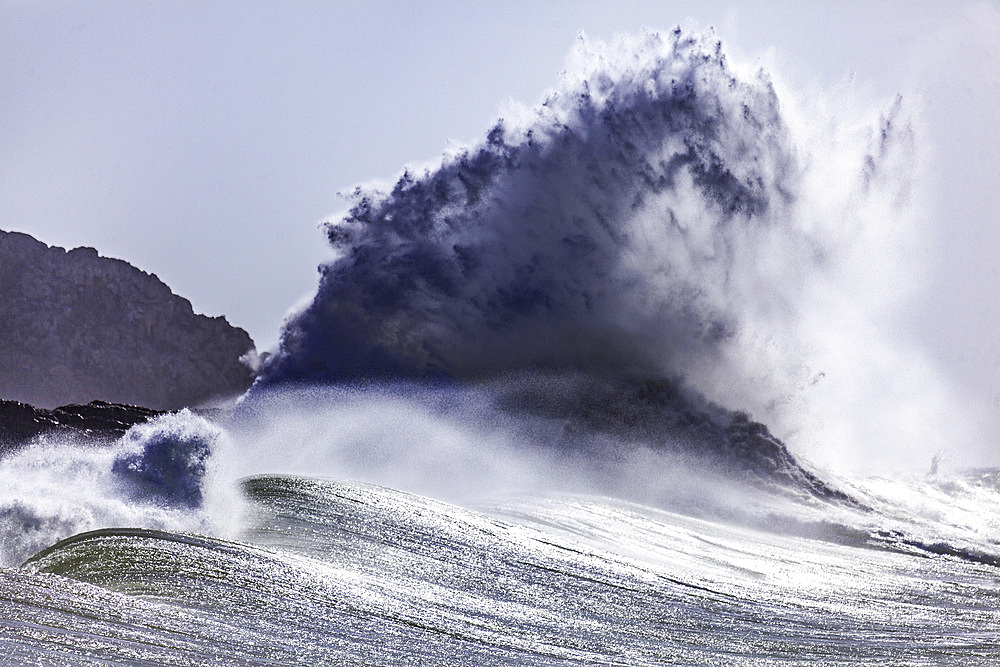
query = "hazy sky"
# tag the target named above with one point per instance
(204, 141)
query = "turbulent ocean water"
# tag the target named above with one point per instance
(575, 394)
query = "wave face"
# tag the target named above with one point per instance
(338, 573)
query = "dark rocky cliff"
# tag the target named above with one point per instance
(75, 326)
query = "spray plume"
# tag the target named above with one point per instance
(661, 214)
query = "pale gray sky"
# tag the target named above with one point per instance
(204, 141)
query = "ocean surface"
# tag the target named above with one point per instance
(688, 567)
(612, 386)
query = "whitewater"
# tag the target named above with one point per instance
(613, 385)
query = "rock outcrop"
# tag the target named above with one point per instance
(661, 414)
(75, 326)
(21, 423)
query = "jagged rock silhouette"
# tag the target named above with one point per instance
(77, 327)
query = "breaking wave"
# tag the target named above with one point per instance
(158, 476)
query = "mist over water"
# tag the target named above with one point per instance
(461, 444)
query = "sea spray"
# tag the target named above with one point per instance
(521, 434)
(156, 476)
(596, 234)
(662, 214)
(165, 461)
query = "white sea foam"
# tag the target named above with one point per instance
(160, 475)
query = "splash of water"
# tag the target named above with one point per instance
(598, 233)
(159, 475)
(662, 213)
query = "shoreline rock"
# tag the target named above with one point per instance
(77, 326)
(21, 423)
